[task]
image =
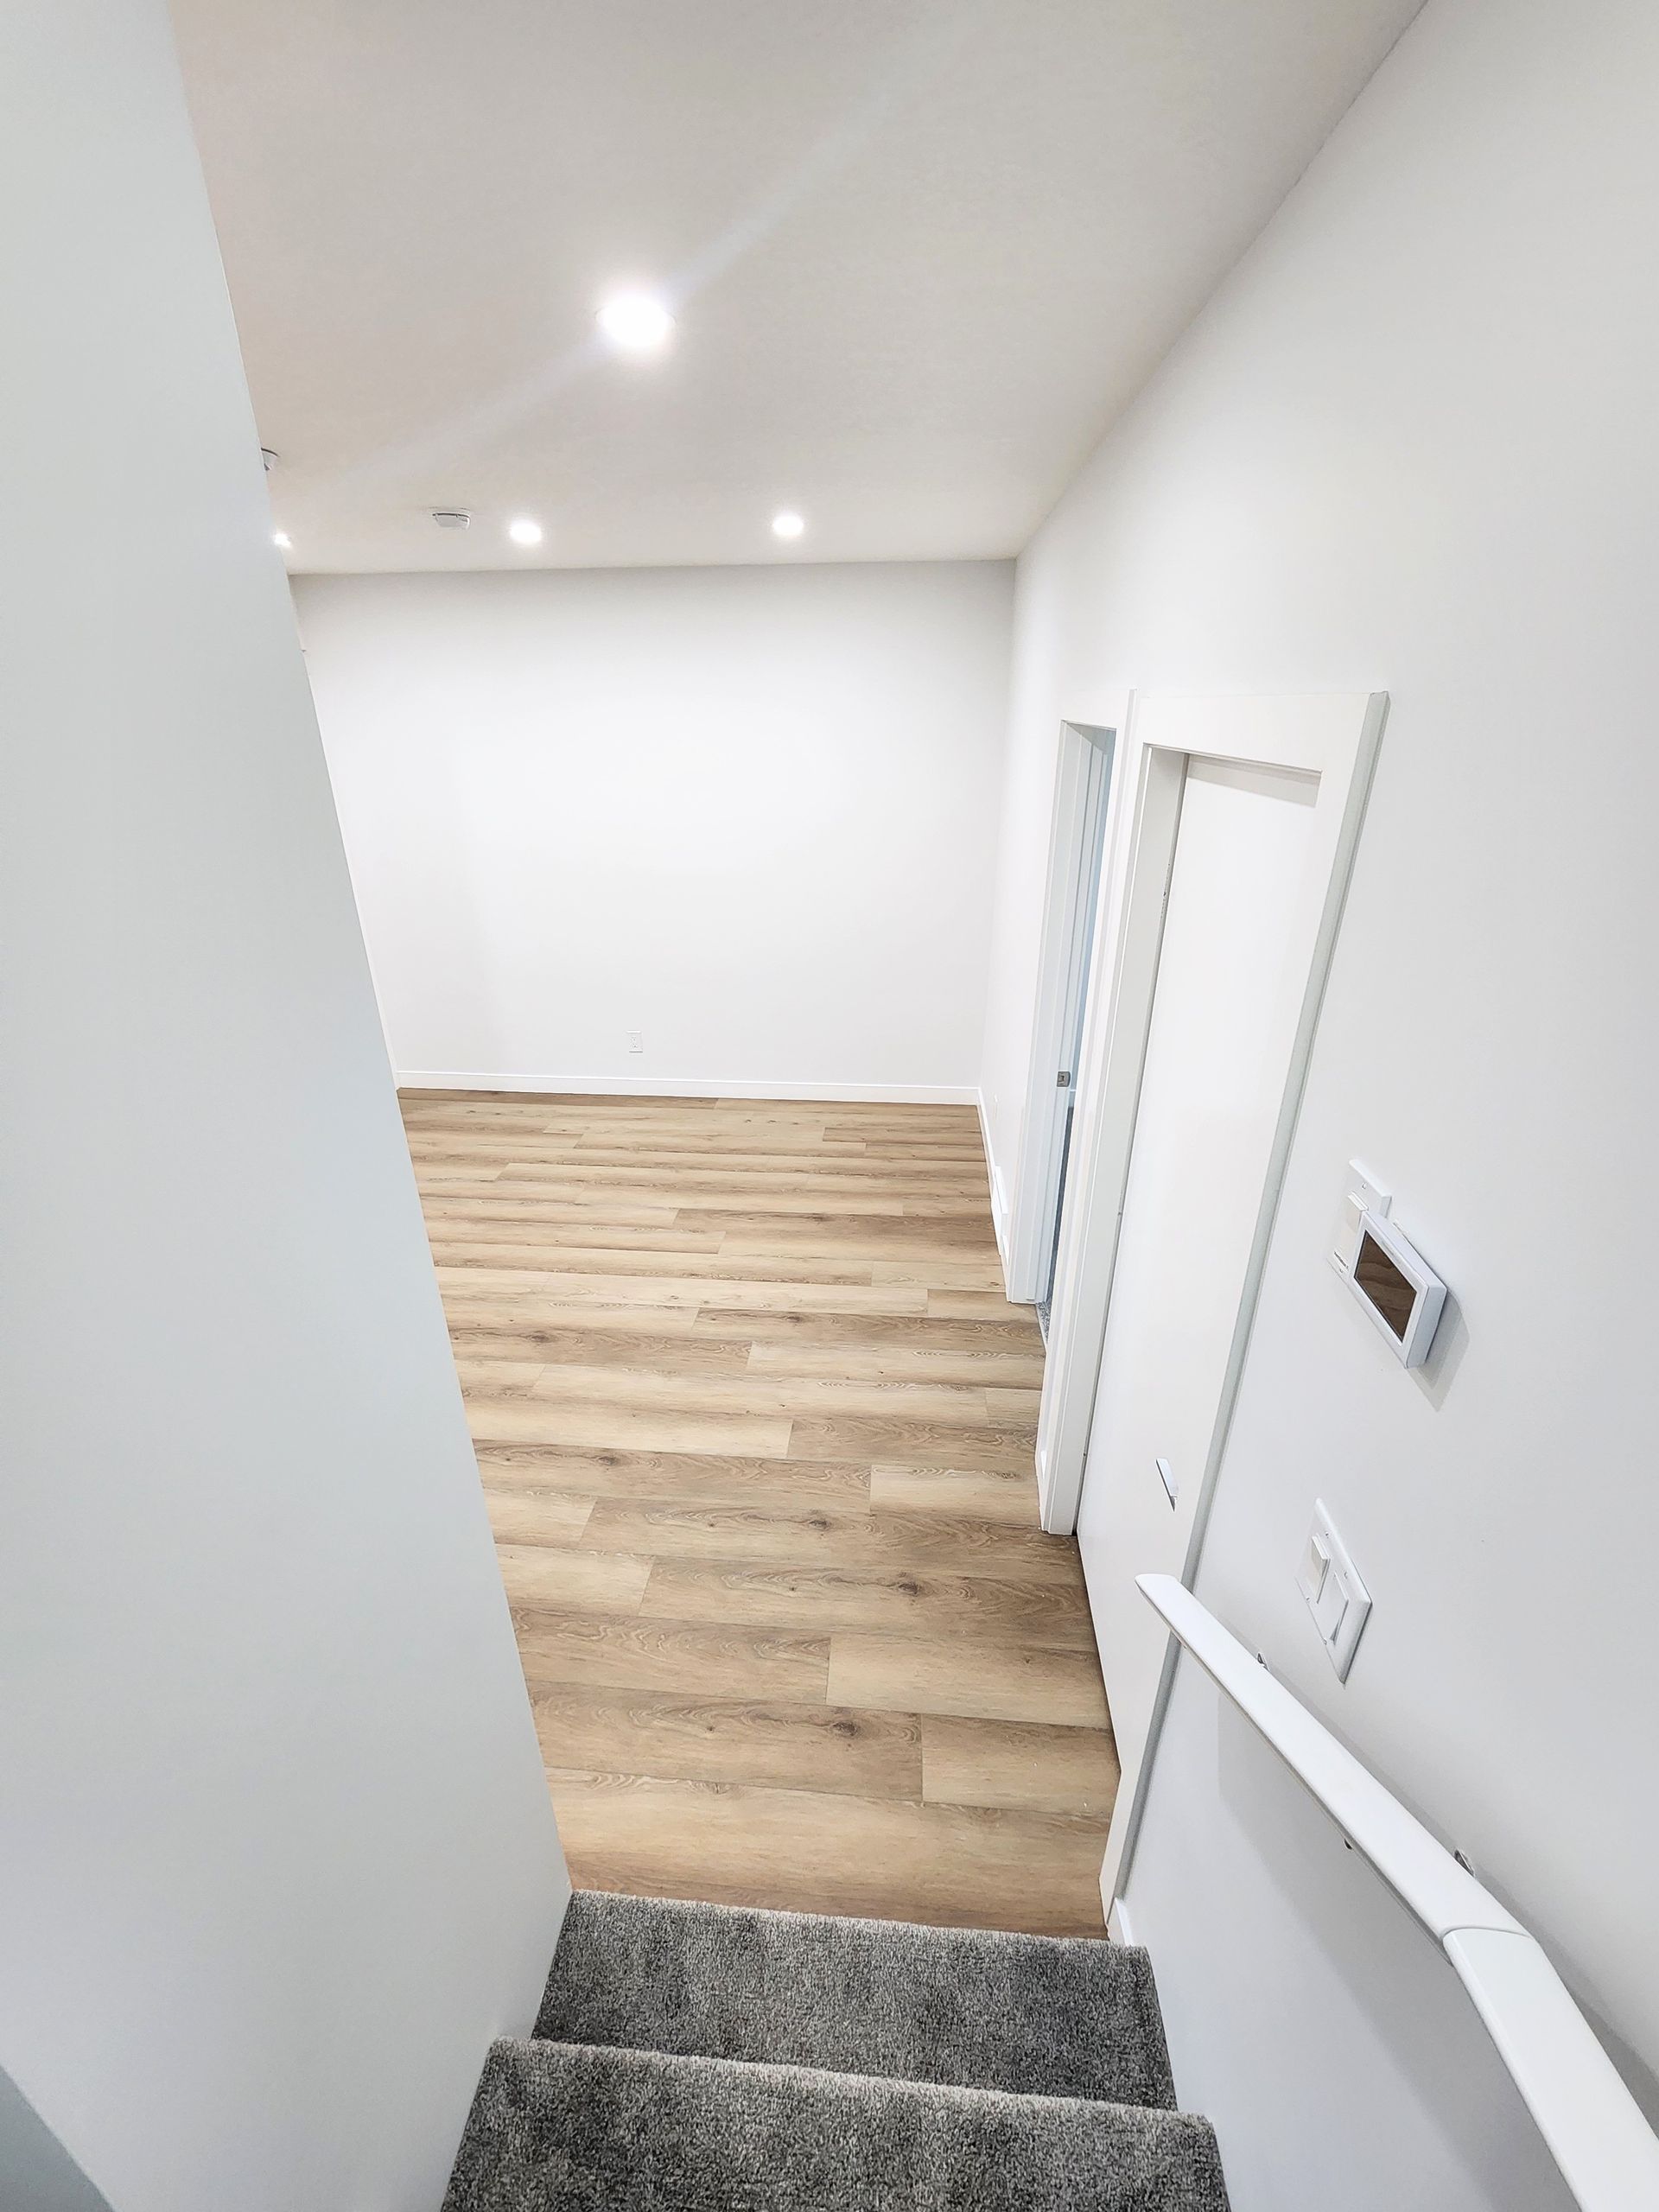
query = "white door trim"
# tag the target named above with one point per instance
(1332, 734)
(1027, 1259)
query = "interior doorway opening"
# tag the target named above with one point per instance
(1085, 907)
(1076, 863)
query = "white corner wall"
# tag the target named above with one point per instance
(1413, 446)
(277, 1859)
(747, 813)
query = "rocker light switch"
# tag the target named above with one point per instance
(1337, 1599)
(1316, 1565)
(1329, 1607)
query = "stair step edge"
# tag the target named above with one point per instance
(888, 1999)
(531, 2049)
(571, 2127)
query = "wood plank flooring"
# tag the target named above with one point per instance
(755, 1426)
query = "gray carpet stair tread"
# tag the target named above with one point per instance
(566, 2127)
(1050, 2017)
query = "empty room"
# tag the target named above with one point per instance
(827, 961)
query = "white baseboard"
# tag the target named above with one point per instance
(646, 1086)
(1117, 1921)
(999, 1195)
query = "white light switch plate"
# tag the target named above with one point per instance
(1337, 1599)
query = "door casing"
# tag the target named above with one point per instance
(1084, 747)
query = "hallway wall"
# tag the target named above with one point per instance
(748, 813)
(277, 1859)
(1412, 446)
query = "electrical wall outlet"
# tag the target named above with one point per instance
(636, 1040)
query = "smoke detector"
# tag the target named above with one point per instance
(451, 517)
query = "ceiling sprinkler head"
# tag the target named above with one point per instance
(451, 517)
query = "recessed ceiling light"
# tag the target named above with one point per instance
(281, 539)
(788, 523)
(525, 532)
(635, 321)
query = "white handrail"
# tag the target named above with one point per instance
(1595, 2130)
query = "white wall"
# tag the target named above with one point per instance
(1413, 446)
(748, 813)
(276, 1854)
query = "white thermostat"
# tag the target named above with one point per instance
(1396, 1286)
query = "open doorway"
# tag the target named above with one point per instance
(1076, 858)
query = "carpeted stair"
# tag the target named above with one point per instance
(698, 2059)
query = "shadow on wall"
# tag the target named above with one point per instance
(38, 2173)
(1362, 2039)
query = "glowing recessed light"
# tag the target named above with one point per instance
(525, 532)
(788, 523)
(635, 322)
(281, 539)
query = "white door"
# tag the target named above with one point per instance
(1245, 894)
(1225, 893)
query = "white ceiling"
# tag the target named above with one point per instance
(922, 252)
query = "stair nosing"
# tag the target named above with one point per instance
(883, 2082)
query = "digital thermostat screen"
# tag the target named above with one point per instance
(1391, 1293)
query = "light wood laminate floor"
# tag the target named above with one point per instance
(755, 1426)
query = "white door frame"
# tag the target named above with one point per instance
(1081, 744)
(1334, 736)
